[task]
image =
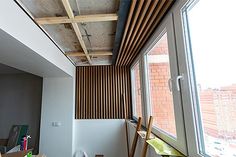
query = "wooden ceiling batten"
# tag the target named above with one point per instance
(75, 26)
(81, 54)
(76, 19)
(132, 7)
(149, 18)
(143, 20)
(147, 34)
(139, 20)
(146, 27)
(134, 21)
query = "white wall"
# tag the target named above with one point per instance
(150, 153)
(57, 106)
(105, 137)
(23, 45)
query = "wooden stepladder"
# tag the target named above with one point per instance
(148, 133)
(149, 130)
(134, 144)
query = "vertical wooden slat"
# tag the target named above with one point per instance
(100, 91)
(96, 98)
(84, 94)
(106, 93)
(118, 91)
(111, 93)
(78, 113)
(94, 95)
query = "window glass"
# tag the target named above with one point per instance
(137, 91)
(160, 95)
(212, 33)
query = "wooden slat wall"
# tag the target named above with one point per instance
(144, 17)
(103, 92)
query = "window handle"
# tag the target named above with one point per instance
(170, 84)
(178, 78)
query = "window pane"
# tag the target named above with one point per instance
(137, 92)
(212, 31)
(160, 95)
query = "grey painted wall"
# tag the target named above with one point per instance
(20, 103)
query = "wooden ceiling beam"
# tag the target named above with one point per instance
(75, 26)
(81, 54)
(76, 19)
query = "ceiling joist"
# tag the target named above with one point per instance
(75, 26)
(81, 54)
(77, 19)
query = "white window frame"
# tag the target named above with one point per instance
(137, 61)
(166, 26)
(191, 146)
(188, 98)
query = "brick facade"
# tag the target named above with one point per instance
(218, 108)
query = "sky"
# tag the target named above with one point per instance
(213, 36)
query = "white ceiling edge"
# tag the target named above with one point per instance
(30, 45)
(15, 54)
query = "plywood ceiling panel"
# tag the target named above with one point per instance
(97, 36)
(64, 36)
(44, 8)
(87, 7)
(98, 40)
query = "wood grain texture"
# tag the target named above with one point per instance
(144, 18)
(75, 26)
(135, 140)
(76, 19)
(103, 92)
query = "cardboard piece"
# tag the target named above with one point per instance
(17, 154)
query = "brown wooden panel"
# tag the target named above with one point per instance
(103, 92)
(144, 17)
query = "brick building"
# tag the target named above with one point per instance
(218, 107)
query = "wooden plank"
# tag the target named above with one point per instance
(120, 27)
(77, 19)
(149, 130)
(96, 53)
(147, 22)
(82, 93)
(134, 144)
(147, 33)
(133, 23)
(140, 20)
(131, 11)
(100, 92)
(77, 107)
(75, 26)
(68, 8)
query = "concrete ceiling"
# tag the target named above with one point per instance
(97, 36)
